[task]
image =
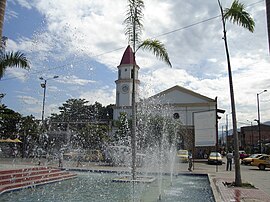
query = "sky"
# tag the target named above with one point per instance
(83, 41)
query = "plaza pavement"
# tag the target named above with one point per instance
(218, 176)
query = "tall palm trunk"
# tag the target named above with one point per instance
(238, 181)
(2, 15)
(133, 100)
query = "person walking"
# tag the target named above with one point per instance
(189, 160)
(60, 160)
(229, 157)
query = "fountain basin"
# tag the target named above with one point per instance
(100, 187)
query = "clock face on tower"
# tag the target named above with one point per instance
(125, 88)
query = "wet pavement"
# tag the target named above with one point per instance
(218, 176)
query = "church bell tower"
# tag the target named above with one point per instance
(124, 84)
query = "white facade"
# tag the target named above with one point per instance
(184, 103)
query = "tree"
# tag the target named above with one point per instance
(12, 59)
(133, 31)
(122, 134)
(92, 136)
(87, 124)
(9, 122)
(235, 14)
(29, 131)
(9, 59)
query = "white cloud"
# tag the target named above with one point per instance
(104, 96)
(28, 100)
(74, 80)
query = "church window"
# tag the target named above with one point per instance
(119, 73)
(132, 74)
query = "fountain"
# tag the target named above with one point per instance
(157, 179)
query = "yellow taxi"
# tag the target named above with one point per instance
(248, 160)
(183, 155)
(262, 162)
(215, 158)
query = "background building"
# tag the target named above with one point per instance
(183, 102)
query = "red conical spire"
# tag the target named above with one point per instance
(128, 57)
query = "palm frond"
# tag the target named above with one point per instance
(238, 15)
(157, 48)
(133, 21)
(13, 59)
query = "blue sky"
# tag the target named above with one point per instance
(83, 41)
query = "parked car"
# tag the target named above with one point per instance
(182, 155)
(243, 154)
(215, 158)
(248, 160)
(262, 162)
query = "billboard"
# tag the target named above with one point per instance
(205, 128)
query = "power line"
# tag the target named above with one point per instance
(188, 26)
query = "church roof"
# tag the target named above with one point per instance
(178, 94)
(128, 57)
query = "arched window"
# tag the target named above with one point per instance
(119, 73)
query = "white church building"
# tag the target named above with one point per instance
(184, 102)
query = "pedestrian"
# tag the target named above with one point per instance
(189, 160)
(60, 160)
(229, 157)
(200, 154)
(79, 161)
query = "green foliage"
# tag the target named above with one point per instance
(92, 136)
(9, 122)
(238, 15)
(157, 48)
(77, 110)
(14, 125)
(12, 59)
(134, 27)
(122, 135)
(133, 31)
(88, 124)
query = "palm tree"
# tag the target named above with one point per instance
(12, 59)
(9, 59)
(235, 14)
(133, 31)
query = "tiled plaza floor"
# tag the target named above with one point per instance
(237, 194)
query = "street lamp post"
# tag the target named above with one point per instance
(252, 136)
(44, 86)
(259, 120)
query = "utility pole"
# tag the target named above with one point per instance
(259, 120)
